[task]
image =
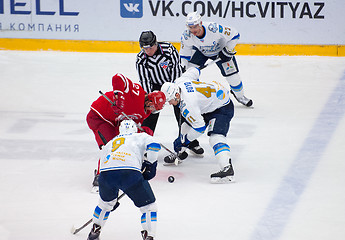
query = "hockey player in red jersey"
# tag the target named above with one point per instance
(129, 98)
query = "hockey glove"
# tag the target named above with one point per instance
(225, 55)
(180, 142)
(147, 130)
(149, 170)
(119, 102)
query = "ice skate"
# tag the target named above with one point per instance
(224, 176)
(170, 159)
(195, 148)
(144, 235)
(243, 100)
(95, 232)
(95, 184)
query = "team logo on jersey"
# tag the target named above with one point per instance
(213, 27)
(186, 34)
(131, 8)
(164, 65)
(107, 157)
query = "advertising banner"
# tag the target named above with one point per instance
(318, 22)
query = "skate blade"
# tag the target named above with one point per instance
(95, 189)
(228, 179)
(196, 155)
(175, 163)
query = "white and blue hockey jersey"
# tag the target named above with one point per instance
(198, 98)
(126, 151)
(215, 39)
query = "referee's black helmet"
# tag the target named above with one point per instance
(147, 39)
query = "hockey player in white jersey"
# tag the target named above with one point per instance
(122, 168)
(208, 40)
(205, 106)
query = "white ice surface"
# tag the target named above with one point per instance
(288, 153)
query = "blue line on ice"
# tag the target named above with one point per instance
(276, 216)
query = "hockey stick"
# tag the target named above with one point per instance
(138, 126)
(209, 64)
(76, 230)
(105, 96)
(177, 160)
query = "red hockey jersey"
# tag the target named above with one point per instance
(134, 96)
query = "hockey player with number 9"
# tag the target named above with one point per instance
(129, 98)
(208, 40)
(123, 168)
(205, 106)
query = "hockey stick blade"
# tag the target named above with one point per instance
(76, 230)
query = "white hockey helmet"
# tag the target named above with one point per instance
(128, 126)
(193, 18)
(169, 89)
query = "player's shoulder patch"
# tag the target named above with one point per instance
(221, 29)
(213, 27)
(185, 113)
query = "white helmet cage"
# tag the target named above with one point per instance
(128, 126)
(193, 18)
(169, 89)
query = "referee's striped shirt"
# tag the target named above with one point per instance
(163, 66)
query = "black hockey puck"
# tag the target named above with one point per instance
(171, 179)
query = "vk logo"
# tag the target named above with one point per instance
(131, 8)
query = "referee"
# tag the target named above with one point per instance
(157, 63)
